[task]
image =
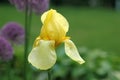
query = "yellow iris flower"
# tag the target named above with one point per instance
(53, 32)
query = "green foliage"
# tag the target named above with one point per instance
(96, 67)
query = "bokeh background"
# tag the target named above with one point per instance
(94, 28)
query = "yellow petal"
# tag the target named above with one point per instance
(72, 51)
(57, 17)
(36, 42)
(43, 56)
(43, 17)
(54, 26)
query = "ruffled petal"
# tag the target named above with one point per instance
(43, 56)
(59, 19)
(72, 51)
(43, 17)
(54, 26)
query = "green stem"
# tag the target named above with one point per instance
(28, 18)
(49, 74)
(26, 39)
(29, 22)
(9, 70)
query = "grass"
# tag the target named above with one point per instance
(93, 28)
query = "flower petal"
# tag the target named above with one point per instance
(61, 20)
(43, 17)
(43, 56)
(54, 26)
(72, 51)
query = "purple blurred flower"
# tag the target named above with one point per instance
(19, 4)
(6, 51)
(38, 6)
(13, 32)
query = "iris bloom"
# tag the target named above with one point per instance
(53, 32)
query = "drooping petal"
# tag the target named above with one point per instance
(72, 51)
(43, 56)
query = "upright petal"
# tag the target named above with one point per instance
(43, 17)
(72, 51)
(54, 26)
(43, 56)
(58, 18)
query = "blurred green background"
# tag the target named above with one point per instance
(94, 28)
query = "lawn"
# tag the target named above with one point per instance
(93, 28)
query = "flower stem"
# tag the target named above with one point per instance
(26, 41)
(49, 74)
(9, 70)
(28, 18)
